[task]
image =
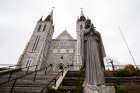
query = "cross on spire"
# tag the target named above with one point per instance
(51, 13)
(82, 13)
(53, 7)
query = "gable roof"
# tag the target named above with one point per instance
(65, 36)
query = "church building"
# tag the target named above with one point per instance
(61, 52)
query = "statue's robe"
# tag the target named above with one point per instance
(93, 54)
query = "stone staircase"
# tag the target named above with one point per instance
(26, 84)
(71, 82)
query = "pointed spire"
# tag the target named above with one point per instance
(51, 13)
(40, 19)
(82, 17)
(82, 13)
(50, 16)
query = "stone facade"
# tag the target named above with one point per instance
(36, 50)
(62, 52)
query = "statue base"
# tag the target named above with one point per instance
(98, 89)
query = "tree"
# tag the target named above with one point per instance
(128, 70)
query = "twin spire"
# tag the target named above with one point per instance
(50, 16)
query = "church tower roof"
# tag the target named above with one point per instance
(65, 36)
(82, 17)
(49, 17)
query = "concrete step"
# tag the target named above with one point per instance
(26, 84)
(31, 76)
(73, 74)
(30, 79)
(21, 89)
(67, 87)
(71, 81)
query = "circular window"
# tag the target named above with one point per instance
(60, 66)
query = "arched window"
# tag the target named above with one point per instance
(61, 66)
(29, 62)
(38, 30)
(35, 43)
(44, 27)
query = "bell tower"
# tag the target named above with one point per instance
(36, 50)
(79, 27)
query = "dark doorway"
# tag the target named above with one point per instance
(61, 66)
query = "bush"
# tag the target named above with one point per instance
(120, 90)
(127, 88)
(128, 70)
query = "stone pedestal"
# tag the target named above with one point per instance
(99, 89)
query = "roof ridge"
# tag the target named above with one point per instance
(64, 35)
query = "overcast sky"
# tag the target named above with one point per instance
(18, 19)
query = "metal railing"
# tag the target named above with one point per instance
(4, 67)
(27, 72)
(36, 70)
(122, 80)
(44, 89)
(14, 71)
(68, 68)
(119, 67)
(46, 70)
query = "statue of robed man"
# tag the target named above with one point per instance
(93, 54)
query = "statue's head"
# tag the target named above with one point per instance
(87, 23)
(90, 27)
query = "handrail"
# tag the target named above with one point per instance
(56, 77)
(13, 85)
(42, 90)
(11, 72)
(9, 66)
(24, 74)
(60, 79)
(20, 68)
(119, 67)
(107, 66)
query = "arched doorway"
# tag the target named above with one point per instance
(60, 66)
